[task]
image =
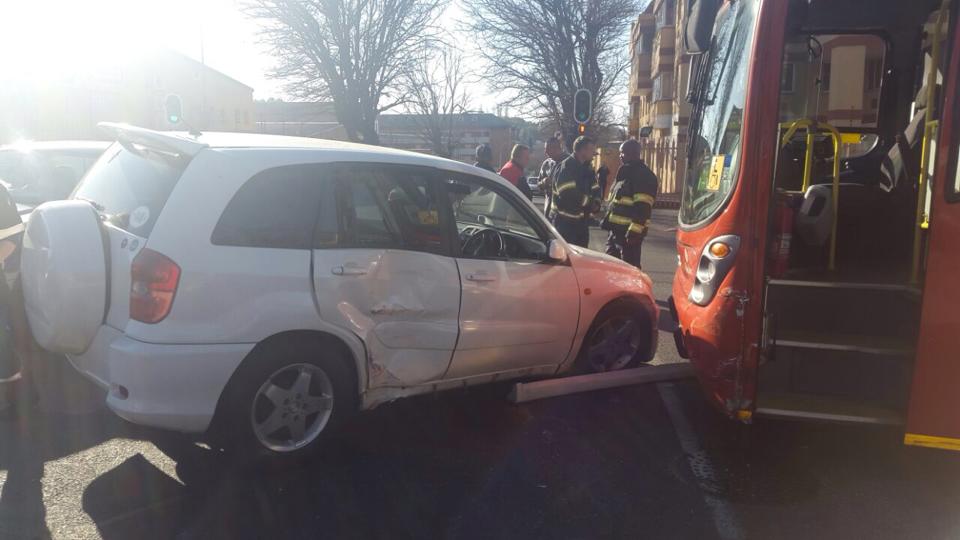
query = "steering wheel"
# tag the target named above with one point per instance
(485, 242)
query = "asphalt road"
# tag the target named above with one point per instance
(648, 461)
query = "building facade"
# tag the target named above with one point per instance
(298, 118)
(467, 131)
(135, 92)
(659, 75)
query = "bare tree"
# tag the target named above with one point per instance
(352, 52)
(544, 50)
(437, 95)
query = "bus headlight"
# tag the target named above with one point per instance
(714, 265)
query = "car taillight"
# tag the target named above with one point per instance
(153, 284)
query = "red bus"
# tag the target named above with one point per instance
(819, 241)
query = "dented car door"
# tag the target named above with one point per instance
(385, 274)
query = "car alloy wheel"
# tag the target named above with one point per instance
(292, 407)
(614, 344)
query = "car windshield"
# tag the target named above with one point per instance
(37, 176)
(718, 117)
(482, 206)
(130, 186)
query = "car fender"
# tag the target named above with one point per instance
(604, 279)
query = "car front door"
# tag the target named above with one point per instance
(383, 270)
(518, 308)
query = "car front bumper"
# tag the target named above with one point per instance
(174, 387)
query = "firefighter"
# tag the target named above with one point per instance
(631, 203)
(576, 193)
(548, 171)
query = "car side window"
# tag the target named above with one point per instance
(491, 224)
(387, 206)
(290, 207)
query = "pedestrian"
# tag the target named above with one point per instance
(603, 174)
(513, 170)
(548, 171)
(484, 156)
(14, 332)
(576, 193)
(631, 204)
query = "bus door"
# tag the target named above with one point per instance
(933, 419)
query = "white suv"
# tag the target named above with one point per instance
(270, 286)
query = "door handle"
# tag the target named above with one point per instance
(481, 277)
(348, 270)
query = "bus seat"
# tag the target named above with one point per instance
(900, 165)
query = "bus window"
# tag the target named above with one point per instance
(833, 78)
(718, 114)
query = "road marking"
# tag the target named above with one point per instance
(723, 515)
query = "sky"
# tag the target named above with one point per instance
(42, 39)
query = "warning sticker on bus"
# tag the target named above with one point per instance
(717, 168)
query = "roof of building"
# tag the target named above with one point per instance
(460, 120)
(202, 65)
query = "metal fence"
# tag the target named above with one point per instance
(662, 158)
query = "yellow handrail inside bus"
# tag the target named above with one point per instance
(837, 139)
(931, 124)
(811, 126)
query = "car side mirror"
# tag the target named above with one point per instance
(556, 252)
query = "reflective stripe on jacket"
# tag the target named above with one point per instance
(632, 199)
(575, 189)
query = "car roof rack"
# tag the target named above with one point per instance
(173, 143)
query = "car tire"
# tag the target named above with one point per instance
(286, 399)
(619, 338)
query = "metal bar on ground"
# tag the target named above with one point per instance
(524, 392)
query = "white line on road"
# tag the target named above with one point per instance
(723, 516)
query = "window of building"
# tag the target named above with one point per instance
(665, 14)
(285, 207)
(663, 87)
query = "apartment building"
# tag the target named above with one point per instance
(660, 70)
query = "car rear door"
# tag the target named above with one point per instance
(518, 309)
(933, 418)
(383, 271)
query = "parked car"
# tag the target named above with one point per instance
(534, 184)
(37, 172)
(267, 287)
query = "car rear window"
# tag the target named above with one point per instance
(286, 208)
(130, 186)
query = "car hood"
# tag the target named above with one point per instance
(582, 258)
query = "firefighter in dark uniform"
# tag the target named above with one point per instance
(631, 203)
(576, 193)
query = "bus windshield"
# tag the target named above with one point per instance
(718, 114)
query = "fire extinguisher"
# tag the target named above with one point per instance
(782, 235)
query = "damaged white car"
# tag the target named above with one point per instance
(268, 287)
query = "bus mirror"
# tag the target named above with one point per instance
(700, 17)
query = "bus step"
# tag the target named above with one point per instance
(798, 406)
(866, 344)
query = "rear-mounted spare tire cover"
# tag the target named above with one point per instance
(64, 275)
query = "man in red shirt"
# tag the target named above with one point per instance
(513, 169)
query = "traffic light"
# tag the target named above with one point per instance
(581, 129)
(174, 108)
(582, 105)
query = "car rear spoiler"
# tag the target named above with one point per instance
(171, 143)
